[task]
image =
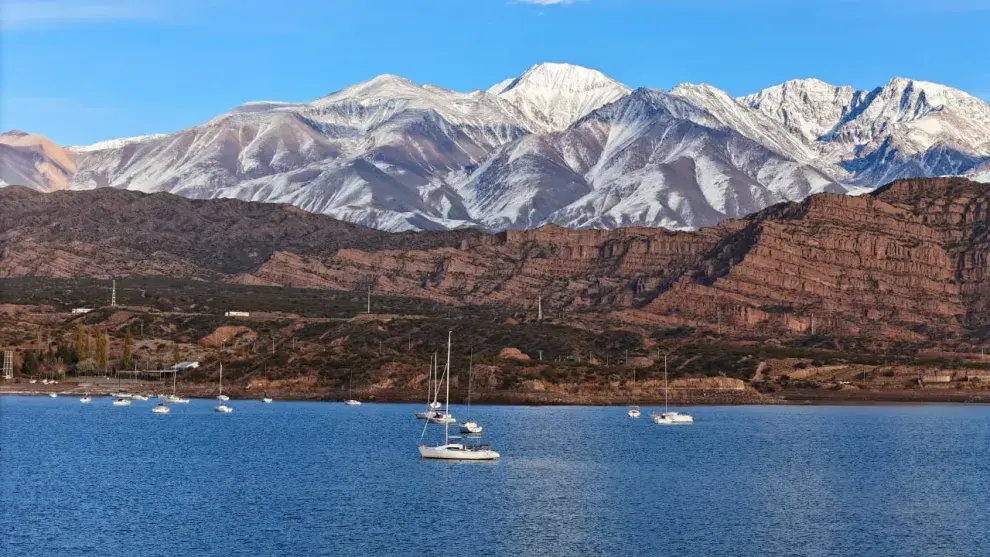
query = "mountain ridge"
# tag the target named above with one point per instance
(557, 144)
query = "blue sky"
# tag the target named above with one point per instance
(80, 71)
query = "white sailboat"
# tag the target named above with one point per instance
(53, 395)
(350, 401)
(449, 450)
(138, 397)
(470, 426)
(221, 407)
(633, 412)
(266, 399)
(161, 408)
(429, 394)
(667, 417)
(174, 398)
(86, 399)
(121, 402)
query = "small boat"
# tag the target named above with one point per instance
(430, 393)
(667, 417)
(350, 401)
(44, 381)
(633, 412)
(139, 397)
(161, 408)
(266, 399)
(221, 407)
(53, 395)
(86, 399)
(175, 399)
(470, 426)
(671, 418)
(441, 417)
(451, 448)
(33, 381)
(121, 402)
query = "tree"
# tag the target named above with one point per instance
(128, 349)
(175, 354)
(80, 343)
(30, 365)
(101, 350)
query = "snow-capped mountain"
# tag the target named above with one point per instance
(554, 96)
(559, 143)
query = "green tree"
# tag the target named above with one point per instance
(80, 343)
(128, 349)
(30, 365)
(101, 350)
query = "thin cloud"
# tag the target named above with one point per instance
(34, 14)
(546, 2)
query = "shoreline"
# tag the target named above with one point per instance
(681, 399)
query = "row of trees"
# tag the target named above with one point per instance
(96, 349)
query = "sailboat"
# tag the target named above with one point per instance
(121, 393)
(265, 398)
(174, 398)
(221, 407)
(429, 394)
(161, 408)
(449, 450)
(667, 417)
(470, 426)
(350, 401)
(633, 412)
(86, 399)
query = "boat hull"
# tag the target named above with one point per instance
(672, 418)
(223, 409)
(455, 451)
(471, 428)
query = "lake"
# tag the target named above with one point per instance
(301, 478)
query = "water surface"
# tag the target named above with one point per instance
(326, 479)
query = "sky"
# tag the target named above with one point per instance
(81, 71)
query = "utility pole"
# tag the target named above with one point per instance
(541, 355)
(113, 295)
(812, 324)
(369, 298)
(539, 308)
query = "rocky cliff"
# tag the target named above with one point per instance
(908, 262)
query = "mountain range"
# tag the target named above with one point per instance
(559, 144)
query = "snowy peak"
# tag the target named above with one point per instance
(554, 96)
(564, 78)
(809, 108)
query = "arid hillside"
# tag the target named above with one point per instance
(906, 263)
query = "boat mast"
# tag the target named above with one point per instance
(446, 421)
(665, 387)
(470, 366)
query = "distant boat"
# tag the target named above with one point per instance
(431, 405)
(470, 426)
(161, 408)
(224, 398)
(86, 399)
(451, 450)
(53, 395)
(633, 412)
(121, 393)
(138, 397)
(221, 407)
(350, 401)
(667, 417)
(121, 402)
(266, 399)
(174, 398)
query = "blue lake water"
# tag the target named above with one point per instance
(326, 479)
